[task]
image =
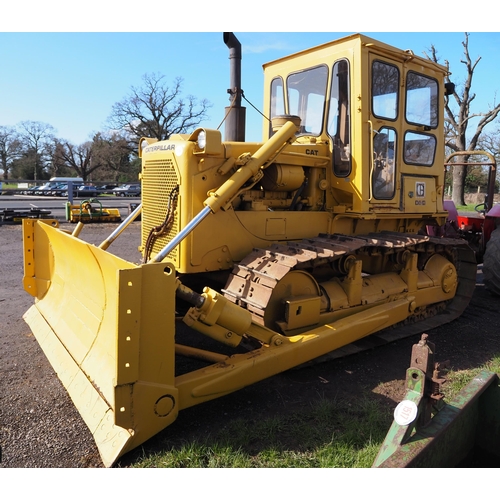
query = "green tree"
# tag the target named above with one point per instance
(112, 151)
(22, 166)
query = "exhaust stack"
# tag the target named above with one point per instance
(235, 121)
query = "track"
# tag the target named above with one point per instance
(252, 282)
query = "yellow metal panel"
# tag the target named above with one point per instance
(275, 226)
(160, 175)
(107, 327)
(302, 311)
(418, 194)
(36, 284)
(97, 414)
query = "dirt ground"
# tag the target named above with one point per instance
(40, 427)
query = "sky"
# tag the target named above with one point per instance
(68, 70)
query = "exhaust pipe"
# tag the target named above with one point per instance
(235, 113)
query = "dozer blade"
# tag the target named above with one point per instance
(108, 336)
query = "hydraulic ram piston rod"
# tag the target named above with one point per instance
(112, 237)
(187, 229)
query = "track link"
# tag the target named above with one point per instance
(252, 281)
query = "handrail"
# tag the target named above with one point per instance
(492, 173)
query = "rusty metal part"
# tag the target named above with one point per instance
(253, 282)
(422, 359)
(450, 433)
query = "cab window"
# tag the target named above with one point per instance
(419, 149)
(277, 98)
(421, 100)
(384, 164)
(339, 122)
(385, 90)
(306, 92)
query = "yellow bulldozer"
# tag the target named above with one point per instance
(268, 254)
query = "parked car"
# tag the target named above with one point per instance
(60, 190)
(107, 188)
(87, 192)
(32, 190)
(128, 190)
(46, 189)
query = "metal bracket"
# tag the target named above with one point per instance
(426, 431)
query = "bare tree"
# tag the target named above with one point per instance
(457, 123)
(157, 110)
(78, 158)
(491, 142)
(59, 167)
(105, 156)
(38, 138)
(10, 149)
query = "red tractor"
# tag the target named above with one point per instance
(482, 229)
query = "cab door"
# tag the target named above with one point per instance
(385, 123)
(404, 117)
(422, 153)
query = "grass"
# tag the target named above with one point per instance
(328, 434)
(459, 379)
(470, 207)
(7, 186)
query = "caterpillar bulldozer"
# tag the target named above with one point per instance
(259, 257)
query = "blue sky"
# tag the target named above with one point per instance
(72, 79)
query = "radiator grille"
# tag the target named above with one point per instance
(159, 177)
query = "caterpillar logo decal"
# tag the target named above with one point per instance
(420, 192)
(159, 147)
(420, 189)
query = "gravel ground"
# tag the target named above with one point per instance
(40, 427)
